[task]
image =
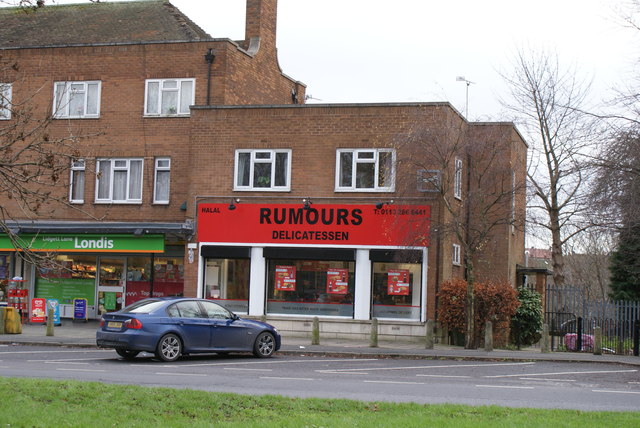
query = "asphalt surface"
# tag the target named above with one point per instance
(82, 334)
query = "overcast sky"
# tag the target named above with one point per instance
(413, 50)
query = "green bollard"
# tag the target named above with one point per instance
(488, 337)
(544, 340)
(1, 319)
(315, 333)
(373, 338)
(597, 341)
(429, 335)
(50, 322)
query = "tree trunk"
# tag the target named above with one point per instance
(469, 337)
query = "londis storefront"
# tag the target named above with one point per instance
(108, 270)
(336, 261)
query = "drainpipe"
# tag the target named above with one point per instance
(209, 57)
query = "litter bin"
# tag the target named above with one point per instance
(12, 322)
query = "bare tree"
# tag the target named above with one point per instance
(548, 103)
(473, 181)
(34, 161)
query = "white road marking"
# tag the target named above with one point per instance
(48, 352)
(563, 373)
(80, 370)
(66, 362)
(609, 391)
(240, 363)
(240, 369)
(444, 376)
(286, 378)
(339, 372)
(505, 387)
(4, 367)
(180, 374)
(394, 382)
(432, 367)
(546, 379)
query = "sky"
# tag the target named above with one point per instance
(413, 50)
(366, 51)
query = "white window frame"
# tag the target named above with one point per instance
(429, 180)
(163, 88)
(113, 168)
(254, 159)
(356, 160)
(455, 254)
(78, 168)
(62, 101)
(6, 90)
(161, 168)
(457, 178)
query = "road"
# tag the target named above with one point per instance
(582, 386)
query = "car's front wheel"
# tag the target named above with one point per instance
(169, 348)
(127, 354)
(265, 345)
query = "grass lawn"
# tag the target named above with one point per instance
(46, 403)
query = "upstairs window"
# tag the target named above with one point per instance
(119, 181)
(169, 97)
(76, 100)
(455, 255)
(361, 170)
(161, 181)
(76, 191)
(267, 170)
(5, 101)
(457, 179)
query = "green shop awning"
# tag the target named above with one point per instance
(93, 243)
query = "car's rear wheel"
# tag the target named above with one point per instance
(127, 354)
(169, 348)
(265, 345)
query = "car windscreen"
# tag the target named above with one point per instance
(143, 306)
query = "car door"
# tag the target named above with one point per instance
(227, 331)
(192, 325)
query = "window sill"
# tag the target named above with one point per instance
(75, 117)
(164, 116)
(118, 202)
(261, 189)
(384, 190)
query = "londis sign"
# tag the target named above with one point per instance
(397, 225)
(87, 243)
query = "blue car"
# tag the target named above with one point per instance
(172, 327)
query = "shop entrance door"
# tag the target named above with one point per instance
(111, 284)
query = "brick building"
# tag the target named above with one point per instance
(203, 173)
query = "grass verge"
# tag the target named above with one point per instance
(47, 403)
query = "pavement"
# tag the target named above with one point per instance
(82, 334)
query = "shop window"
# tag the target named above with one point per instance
(227, 282)
(359, 170)
(262, 170)
(76, 100)
(76, 191)
(169, 97)
(5, 101)
(168, 276)
(311, 287)
(138, 279)
(5, 275)
(396, 290)
(66, 278)
(161, 181)
(457, 179)
(119, 180)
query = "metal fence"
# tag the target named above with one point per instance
(572, 318)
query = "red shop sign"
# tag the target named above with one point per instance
(396, 225)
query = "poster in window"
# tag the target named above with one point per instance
(286, 278)
(337, 281)
(398, 282)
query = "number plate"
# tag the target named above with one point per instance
(114, 324)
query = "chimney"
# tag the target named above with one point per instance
(260, 27)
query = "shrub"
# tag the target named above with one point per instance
(494, 301)
(527, 322)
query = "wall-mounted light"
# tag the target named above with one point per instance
(379, 205)
(232, 205)
(306, 203)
